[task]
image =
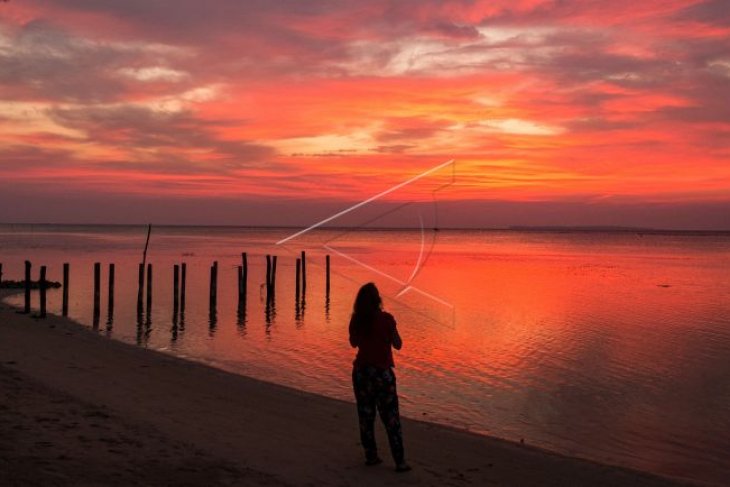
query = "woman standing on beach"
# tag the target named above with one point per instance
(374, 332)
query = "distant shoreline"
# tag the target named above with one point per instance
(512, 228)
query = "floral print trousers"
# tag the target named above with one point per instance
(375, 388)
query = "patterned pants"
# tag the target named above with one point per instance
(375, 387)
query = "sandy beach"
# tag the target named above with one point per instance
(82, 409)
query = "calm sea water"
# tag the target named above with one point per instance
(610, 346)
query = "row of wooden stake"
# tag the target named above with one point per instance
(179, 285)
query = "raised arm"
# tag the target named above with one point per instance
(397, 341)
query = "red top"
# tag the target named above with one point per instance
(374, 343)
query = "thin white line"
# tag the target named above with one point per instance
(363, 203)
(420, 254)
(413, 288)
(370, 268)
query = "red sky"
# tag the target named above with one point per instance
(260, 111)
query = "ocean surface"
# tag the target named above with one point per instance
(608, 346)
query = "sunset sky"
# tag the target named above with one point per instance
(280, 112)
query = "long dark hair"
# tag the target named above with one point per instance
(367, 304)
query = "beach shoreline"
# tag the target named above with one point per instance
(231, 429)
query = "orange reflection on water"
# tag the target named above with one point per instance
(611, 346)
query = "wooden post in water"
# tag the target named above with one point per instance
(327, 275)
(304, 272)
(149, 289)
(182, 287)
(42, 287)
(26, 309)
(110, 297)
(213, 313)
(273, 275)
(64, 304)
(213, 287)
(97, 288)
(175, 291)
(244, 258)
(140, 289)
(268, 276)
(146, 244)
(299, 276)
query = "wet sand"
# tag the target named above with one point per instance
(77, 408)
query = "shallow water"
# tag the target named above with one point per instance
(610, 346)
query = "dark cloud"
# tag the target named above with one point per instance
(453, 30)
(715, 12)
(410, 129)
(394, 149)
(256, 28)
(138, 127)
(45, 62)
(17, 158)
(599, 124)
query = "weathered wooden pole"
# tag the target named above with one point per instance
(97, 287)
(304, 272)
(110, 297)
(273, 275)
(140, 289)
(183, 278)
(244, 258)
(149, 289)
(146, 244)
(213, 287)
(176, 286)
(64, 304)
(299, 276)
(268, 276)
(26, 310)
(213, 313)
(175, 292)
(42, 287)
(327, 275)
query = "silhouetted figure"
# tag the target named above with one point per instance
(374, 332)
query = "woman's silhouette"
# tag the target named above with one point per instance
(373, 332)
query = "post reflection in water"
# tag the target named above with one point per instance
(110, 301)
(109, 325)
(241, 317)
(302, 307)
(327, 306)
(297, 312)
(110, 318)
(95, 323)
(241, 308)
(175, 321)
(140, 325)
(183, 283)
(270, 313)
(148, 320)
(175, 299)
(212, 322)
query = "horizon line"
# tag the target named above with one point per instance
(525, 228)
